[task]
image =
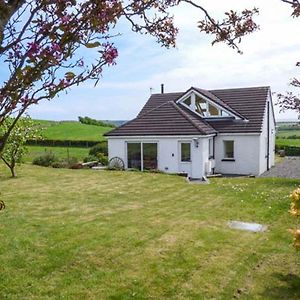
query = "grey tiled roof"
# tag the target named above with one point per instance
(162, 116)
(166, 119)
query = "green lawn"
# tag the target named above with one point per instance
(287, 133)
(59, 152)
(72, 130)
(83, 234)
(288, 142)
(283, 138)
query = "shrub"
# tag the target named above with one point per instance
(60, 164)
(65, 163)
(90, 158)
(289, 150)
(45, 160)
(99, 148)
(103, 159)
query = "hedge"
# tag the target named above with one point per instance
(289, 150)
(63, 143)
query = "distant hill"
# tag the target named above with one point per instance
(116, 122)
(71, 131)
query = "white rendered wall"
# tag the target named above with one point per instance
(168, 153)
(246, 155)
(264, 137)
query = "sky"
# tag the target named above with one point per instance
(269, 58)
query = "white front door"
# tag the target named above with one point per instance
(185, 157)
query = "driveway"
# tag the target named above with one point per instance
(289, 168)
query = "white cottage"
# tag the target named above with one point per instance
(200, 132)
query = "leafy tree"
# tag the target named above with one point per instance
(40, 42)
(40, 39)
(15, 147)
(90, 121)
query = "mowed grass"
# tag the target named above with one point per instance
(71, 131)
(286, 133)
(59, 152)
(83, 234)
(288, 142)
(283, 139)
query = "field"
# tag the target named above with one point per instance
(66, 131)
(72, 131)
(283, 134)
(59, 152)
(83, 234)
(288, 142)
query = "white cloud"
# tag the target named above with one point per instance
(269, 59)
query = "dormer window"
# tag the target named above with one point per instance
(203, 106)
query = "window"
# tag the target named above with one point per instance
(149, 156)
(213, 111)
(211, 148)
(187, 101)
(134, 155)
(142, 156)
(200, 106)
(185, 152)
(228, 149)
(204, 107)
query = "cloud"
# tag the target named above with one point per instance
(269, 59)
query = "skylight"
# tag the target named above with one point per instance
(203, 107)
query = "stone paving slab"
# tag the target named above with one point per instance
(254, 227)
(289, 168)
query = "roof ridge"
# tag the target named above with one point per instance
(186, 116)
(152, 109)
(241, 88)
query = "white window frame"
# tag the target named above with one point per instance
(142, 151)
(224, 151)
(180, 153)
(211, 149)
(192, 107)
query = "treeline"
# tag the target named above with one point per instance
(90, 121)
(62, 143)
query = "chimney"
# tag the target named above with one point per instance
(162, 88)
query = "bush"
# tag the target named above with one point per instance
(45, 160)
(99, 148)
(65, 163)
(90, 158)
(289, 150)
(60, 164)
(103, 159)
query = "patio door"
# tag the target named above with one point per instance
(142, 156)
(149, 156)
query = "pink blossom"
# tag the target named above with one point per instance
(110, 54)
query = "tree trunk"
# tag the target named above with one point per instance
(11, 167)
(12, 171)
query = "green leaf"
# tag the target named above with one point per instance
(92, 45)
(70, 75)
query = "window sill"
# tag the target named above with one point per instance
(186, 162)
(228, 159)
(211, 157)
